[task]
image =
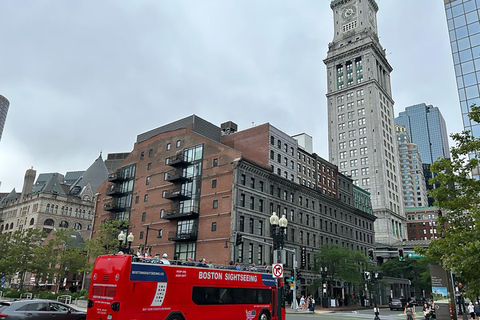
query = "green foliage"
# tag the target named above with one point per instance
(342, 264)
(458, 194)
(105, 240)
(417, 270)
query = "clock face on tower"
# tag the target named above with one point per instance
(349, 12)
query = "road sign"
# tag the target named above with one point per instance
(277, 270)
(415, 255)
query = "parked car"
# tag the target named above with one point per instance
(396, 303)
(39, 310)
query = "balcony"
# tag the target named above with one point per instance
(112, 206)
(184, 235)
(116, 176)
(178, 194)
(113, 190)
(177, 176)
(186, 212)
(178, 161)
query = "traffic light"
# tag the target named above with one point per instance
(238, 239)
(401, 257)
(371, 256)
(299, 274)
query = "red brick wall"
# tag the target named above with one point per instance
(210, 244)
(253, 143)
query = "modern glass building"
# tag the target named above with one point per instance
(464, 29)
(426, 127)
(3, 113)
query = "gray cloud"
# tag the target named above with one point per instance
(88, 76)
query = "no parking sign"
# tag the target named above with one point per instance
(277, 270)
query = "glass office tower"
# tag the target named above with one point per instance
(426, 127)
(464, 29)
(3, 113)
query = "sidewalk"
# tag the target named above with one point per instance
(319, 309)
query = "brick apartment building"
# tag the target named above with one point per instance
(189, 186)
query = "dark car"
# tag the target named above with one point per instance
(39, 310)
(396, 303)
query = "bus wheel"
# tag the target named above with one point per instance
(264, 315)
(176, 316)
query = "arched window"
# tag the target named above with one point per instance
(62, 210)
(48, 207)
(11, 226)
(70, 212)
(48, 222)
(77, 226)
(63, 224)
(56, 209)
(6, 227)
(32, 221)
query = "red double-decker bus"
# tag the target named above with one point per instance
(122, 289)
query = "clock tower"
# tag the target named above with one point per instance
(361, 127)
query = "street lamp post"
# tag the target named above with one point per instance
(122, 245)
(277, 231)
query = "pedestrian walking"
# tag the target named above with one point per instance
(376, 311)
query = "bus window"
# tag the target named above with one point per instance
(216, 295)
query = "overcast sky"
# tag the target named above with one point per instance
(85, 77)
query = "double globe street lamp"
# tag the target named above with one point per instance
(277, 231)
(122, 244)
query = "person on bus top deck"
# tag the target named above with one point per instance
(156, 259)
(202, 263)
(164, 259)
(231, 265)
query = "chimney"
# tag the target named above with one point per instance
(228, 128)
(28, 182)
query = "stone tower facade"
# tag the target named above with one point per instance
(360, 113)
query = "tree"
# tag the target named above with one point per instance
(417, 270)
(21, 248)
(458, 195)
(104, 241)
(342, 264)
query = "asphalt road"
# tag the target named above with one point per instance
(385, 314)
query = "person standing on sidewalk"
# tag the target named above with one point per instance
(471, 310)
(476, 308)
(312, 304)
(409, 312)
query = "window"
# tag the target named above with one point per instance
(215, 204)
(137, 198)
(145, 198)
(168, 146)
(150, 153)
(149, 166)
(242, 179)
(252, 183)
(142, 155)
(214, 183)
(215, 162)
(144, 214)
(261, 186)
(260, 227)
(178, 143)
(147, 181)
(272, 140)
(250, 225)
(242, 200)
(160, 233)
(214, 226)
(260, 205)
